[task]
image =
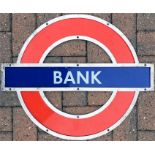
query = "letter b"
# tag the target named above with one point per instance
(57, 77)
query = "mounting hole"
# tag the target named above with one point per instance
(77, 88)
(77, 65)
(10, 89)
(77, 37)
(108, 130)
(77, 116)
(108, 24)
(46, 130)
(46, 23)
(145, 65)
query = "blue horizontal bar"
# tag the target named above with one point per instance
(82, 77)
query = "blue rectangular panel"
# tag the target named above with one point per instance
(81, 77)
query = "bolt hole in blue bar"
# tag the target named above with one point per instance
(81, 77)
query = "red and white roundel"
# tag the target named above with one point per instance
(44, 114)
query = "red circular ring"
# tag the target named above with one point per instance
(80, 27)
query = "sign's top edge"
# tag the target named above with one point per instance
(77, 65)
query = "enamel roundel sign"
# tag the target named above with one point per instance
(30, 77)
